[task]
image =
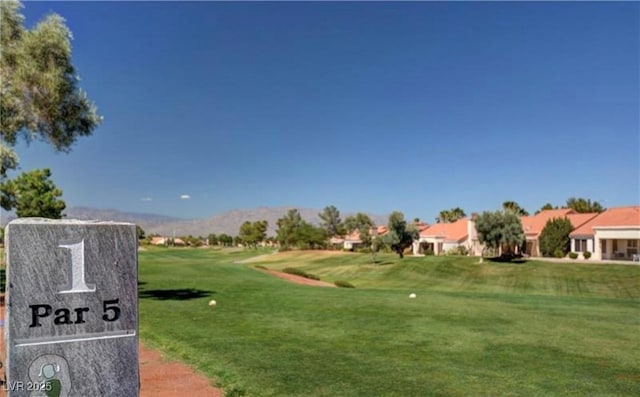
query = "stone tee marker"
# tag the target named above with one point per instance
(71, 324)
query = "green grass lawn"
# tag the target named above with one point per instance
(492, 329)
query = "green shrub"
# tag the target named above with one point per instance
(459, 250)
(428, 251)
(573, 255)
(586, 254)
(343, 284)
(301, 273)
(555, 237)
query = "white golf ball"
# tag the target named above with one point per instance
(212, 303)
(412, 296)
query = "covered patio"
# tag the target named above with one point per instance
(618, 249)
(617, 243)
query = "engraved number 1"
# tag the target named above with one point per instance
(78, 283)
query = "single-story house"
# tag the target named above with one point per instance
(612, 234)
(166, 241)
(533, 225)
(352, 240)
(442, 237)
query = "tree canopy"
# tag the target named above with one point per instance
(581, 205)
(293, 231)
(514, 207)
(450, 216)
(32, 194)
(363, 224)
(39, 93)
(225, 240)
(554, 238)
(500, 229)
(400, 235)
(331, 222)
(287, 228)
(254, 233)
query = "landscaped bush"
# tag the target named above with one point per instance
(343, 284)
(555, 237)
(301, 273)
(459, 250)
(428, 251)
(573, 255)
(586, 254)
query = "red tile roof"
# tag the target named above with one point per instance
(618, 216)
(456, 231)
(578, 220)
(533, 225)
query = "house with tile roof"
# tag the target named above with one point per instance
(352, 240)
(533, 225)
(612, 234)
(442, 237)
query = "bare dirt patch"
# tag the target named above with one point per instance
(299, 279)
(162, 378)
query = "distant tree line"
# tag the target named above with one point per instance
(499, 231)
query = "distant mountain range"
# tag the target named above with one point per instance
(227, 222)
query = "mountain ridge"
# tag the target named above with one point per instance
(225, 222)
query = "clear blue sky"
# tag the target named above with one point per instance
(382, 106)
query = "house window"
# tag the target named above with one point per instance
(603, 245)
(581, 245)
(632, 243)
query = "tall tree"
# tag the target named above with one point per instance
(450, 216)
(225, 240)
(260, 231)
(554, 238)
(254, 233)
(581, 205)
(500, 229)
(512, 231)
(246, 229)
(363, 224)
(40, 97)
(32, 194)
(400, 234)
(288, 226)
(308, 236)
(213, 239)
(514, 207)
(331, 222)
